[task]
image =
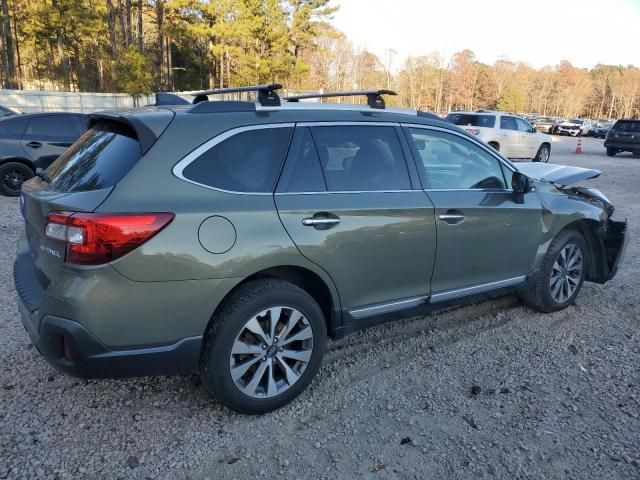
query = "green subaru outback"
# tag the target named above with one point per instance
(232, 238)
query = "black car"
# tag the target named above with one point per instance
(7, 112)
(32, 141)
(624, 136)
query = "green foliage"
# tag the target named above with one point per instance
(512, 99)
(133, 73)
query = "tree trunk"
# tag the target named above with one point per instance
(140, 32)
(111, 24)
(10, 69)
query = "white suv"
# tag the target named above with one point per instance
(511, 135)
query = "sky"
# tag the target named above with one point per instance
(538, 32)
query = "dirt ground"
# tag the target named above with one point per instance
(490, 391)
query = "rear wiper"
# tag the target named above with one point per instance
(42, 173)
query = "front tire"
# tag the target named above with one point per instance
(544, 152)
(562, 274)
(611, 152)
(263, 346)
(12, 176)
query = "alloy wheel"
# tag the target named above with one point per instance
(271, 352)
(566, 273)
(13, 179)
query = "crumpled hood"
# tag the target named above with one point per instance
(558, 174)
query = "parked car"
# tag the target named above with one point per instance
(574, 127)
(600, 128)
(556, 124)
(543, 124)
(32, 141)
(624, 136)
(7, 112)
(233, 238)
(511, 135)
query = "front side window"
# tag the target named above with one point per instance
(450, 162)
(361, 158)
(248, 161)
(523, 126)
(508, 123)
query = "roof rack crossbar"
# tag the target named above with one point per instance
(266, 93)
(374, 97)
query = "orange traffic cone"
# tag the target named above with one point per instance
(579, 146)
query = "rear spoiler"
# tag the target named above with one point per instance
(146, 136)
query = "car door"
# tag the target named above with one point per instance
(528, 139)
(487, 238)
(48, 136)
(347, 200)
(510, 143)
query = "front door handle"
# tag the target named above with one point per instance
(34, 144)
(321, 221)
(453, 217)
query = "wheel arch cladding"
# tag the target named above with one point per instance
(303, 278)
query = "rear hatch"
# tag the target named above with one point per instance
(78, 181)
(626, 132)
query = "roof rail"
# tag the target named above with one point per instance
(374, 97)
(266, 93)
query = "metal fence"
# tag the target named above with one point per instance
(28, 101)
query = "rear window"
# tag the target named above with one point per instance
(99, 159)
(248, 161)
(627, 126)
(471, 120)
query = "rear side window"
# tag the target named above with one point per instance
(361, 158)
(99, 159)
(248, 161)
(15, 125)
(471, 120)
(58, 125)
(302, 172)
(627, 126)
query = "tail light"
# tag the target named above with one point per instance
(98, 238)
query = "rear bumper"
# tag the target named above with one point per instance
(627, 147)
(73, 349)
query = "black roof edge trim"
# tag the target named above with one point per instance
(430, 115)
(266, 93)
(374, 97)
(221, 107)
(165, 98)
(145, 135)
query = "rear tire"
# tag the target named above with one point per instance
(243, 331)
(611, 152)
(12, 176)
(562, 274)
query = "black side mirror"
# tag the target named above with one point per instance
(534, 129)
(520, 183)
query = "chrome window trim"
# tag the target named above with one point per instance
(348, 191)
(387, 307)
(347, 124)
(481, 288)
(209, 144)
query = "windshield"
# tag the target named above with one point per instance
(472, 120)
(576, 121)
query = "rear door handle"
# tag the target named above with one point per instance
(453, 217)
(321, 221)
(34, 144)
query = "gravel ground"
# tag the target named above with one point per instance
(490, 391)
